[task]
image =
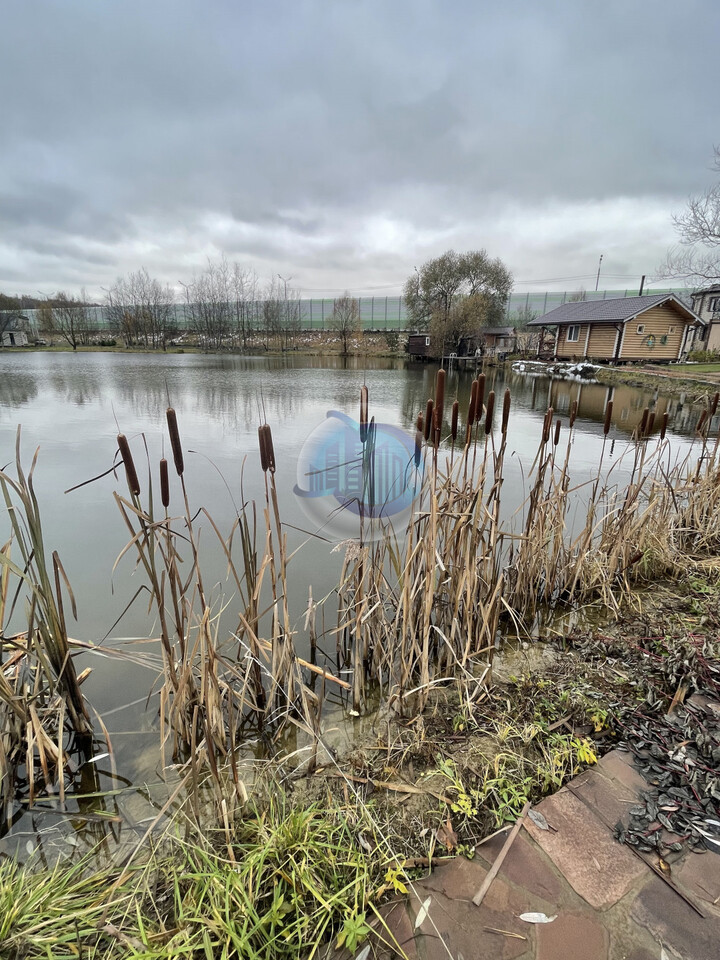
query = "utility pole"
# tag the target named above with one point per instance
(597, 281)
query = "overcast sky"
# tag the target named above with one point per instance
(343, 142)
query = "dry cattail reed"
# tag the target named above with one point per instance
(472, 406)
(547, 425)
(506, 411)
(651, 423)
(418, 448)
(573, 413)
(642, 430)
(439, 398)
(608, 417)
(489, 412)
(663, 428)
(420, 423)
(556, 439)
(175, 441)
(363, 413)
(714, 404)
(267, 453)
(428, 419)
(701, 421)
(164, 483)
(454, 420)
(130, 471)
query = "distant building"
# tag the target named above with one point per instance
(706, 304)
(418, 345)
(655, 328)
(13, 332)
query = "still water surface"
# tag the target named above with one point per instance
(73, 406)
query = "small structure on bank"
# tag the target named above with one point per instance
(12, 332)
(487, 342)
(656, 328)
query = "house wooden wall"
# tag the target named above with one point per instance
(657, 322)
(600, 345)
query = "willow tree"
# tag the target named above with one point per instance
(433, 291)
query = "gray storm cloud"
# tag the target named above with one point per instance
(346, 141)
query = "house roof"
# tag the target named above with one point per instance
(715, 288)
(498, 331)
(616, 310)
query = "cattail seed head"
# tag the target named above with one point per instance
(663, 428)
(130, 471)
(506, 411)
(175, 441)
(454, 420)
(489, 412)
(642, 430)
(420, 423)
(480, 398)
(164, 483)
(363, 413)
(701, 421)
(608, 417)
(428, 418)
(472, 406)
(556, 439)
(267, 452)
(573, 413)
(714, 404)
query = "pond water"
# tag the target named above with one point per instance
(73, 406)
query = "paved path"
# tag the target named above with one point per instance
(609, 904)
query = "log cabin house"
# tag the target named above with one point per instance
(652, 329)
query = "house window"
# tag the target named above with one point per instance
(640, 329)
(427, 341)
(714, 304)
(671, 330)
(573, 333)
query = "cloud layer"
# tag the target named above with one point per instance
(345, 141)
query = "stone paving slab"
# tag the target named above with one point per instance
(584, 851)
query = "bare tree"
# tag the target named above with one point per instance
(70, 317)
(140, 310)
(209, 297)
(579, 296)
(697, 258)
(345, 319)
(244, 292)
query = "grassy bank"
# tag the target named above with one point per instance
(681, 379)
(311, 866)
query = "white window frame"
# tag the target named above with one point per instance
(640, 329)
(714, 304)
(573, 328)
(427, 341)
(671, 330)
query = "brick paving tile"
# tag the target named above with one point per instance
(618, 765)
(699, 877)
(525, 866)
(672, 922)
(600, 870)
(456, 927)
(572, 936)
(609, 797)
